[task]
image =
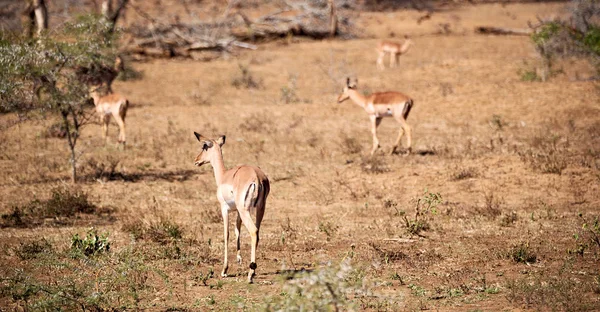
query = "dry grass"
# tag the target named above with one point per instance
(514, 161)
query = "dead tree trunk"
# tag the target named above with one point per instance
(34, 14)
(111, 15)
(332, 19)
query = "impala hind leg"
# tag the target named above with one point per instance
(375, 121)
(253, 230)
(225, 238)
(238, 226)
(393, 57)
(121, 123)
(404, 128)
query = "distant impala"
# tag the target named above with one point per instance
(379, 105)
(394, 49)
(111, 105)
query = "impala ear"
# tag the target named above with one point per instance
(199, 136)
(221, 140)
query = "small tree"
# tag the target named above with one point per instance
(579, 36)
(40, 77)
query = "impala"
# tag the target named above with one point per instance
(379, 105)
(111, 105)
(243, 189)
(394, 49)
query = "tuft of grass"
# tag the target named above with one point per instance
(425, 208)
(163, 231)
(491, 205)
(509, 219)
(546, 154)
(374, 165)
(522, 253)
(33, 249)
(328, 228)
(587, 237)
(349, 144)
(104, 170)
(463, 173)
(260, 123)
(288, 93)
(549, 293)
(246, 79)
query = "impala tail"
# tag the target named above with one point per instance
(253, 194)
(407, 107)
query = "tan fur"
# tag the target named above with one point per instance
(113, 105)
(394, 49)
(243, 189)
(380, 105)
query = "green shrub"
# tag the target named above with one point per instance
(62, 204)
(92, 244)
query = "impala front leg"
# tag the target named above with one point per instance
(375, 121)
(224, 212)
(380, 60)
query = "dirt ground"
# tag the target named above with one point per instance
(516, 164)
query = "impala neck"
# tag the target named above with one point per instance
(357, 98)
(218, 165)
(96, 97)
(405, 46)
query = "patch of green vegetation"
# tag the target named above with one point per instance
(62, 204)
(522, 253)
(90, 245)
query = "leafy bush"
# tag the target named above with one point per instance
(577, 36)
(587, 236)
(90, 245)
(522, 253)
(62, 204)
(326, 289)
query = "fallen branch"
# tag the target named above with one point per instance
(491, 30)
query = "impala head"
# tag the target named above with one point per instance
(407, 44)
(95, 93)
(345, 93)
(208, 148)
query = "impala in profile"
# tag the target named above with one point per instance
(243, 189)
(380, 105)
(109, 105)
(394, 49)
